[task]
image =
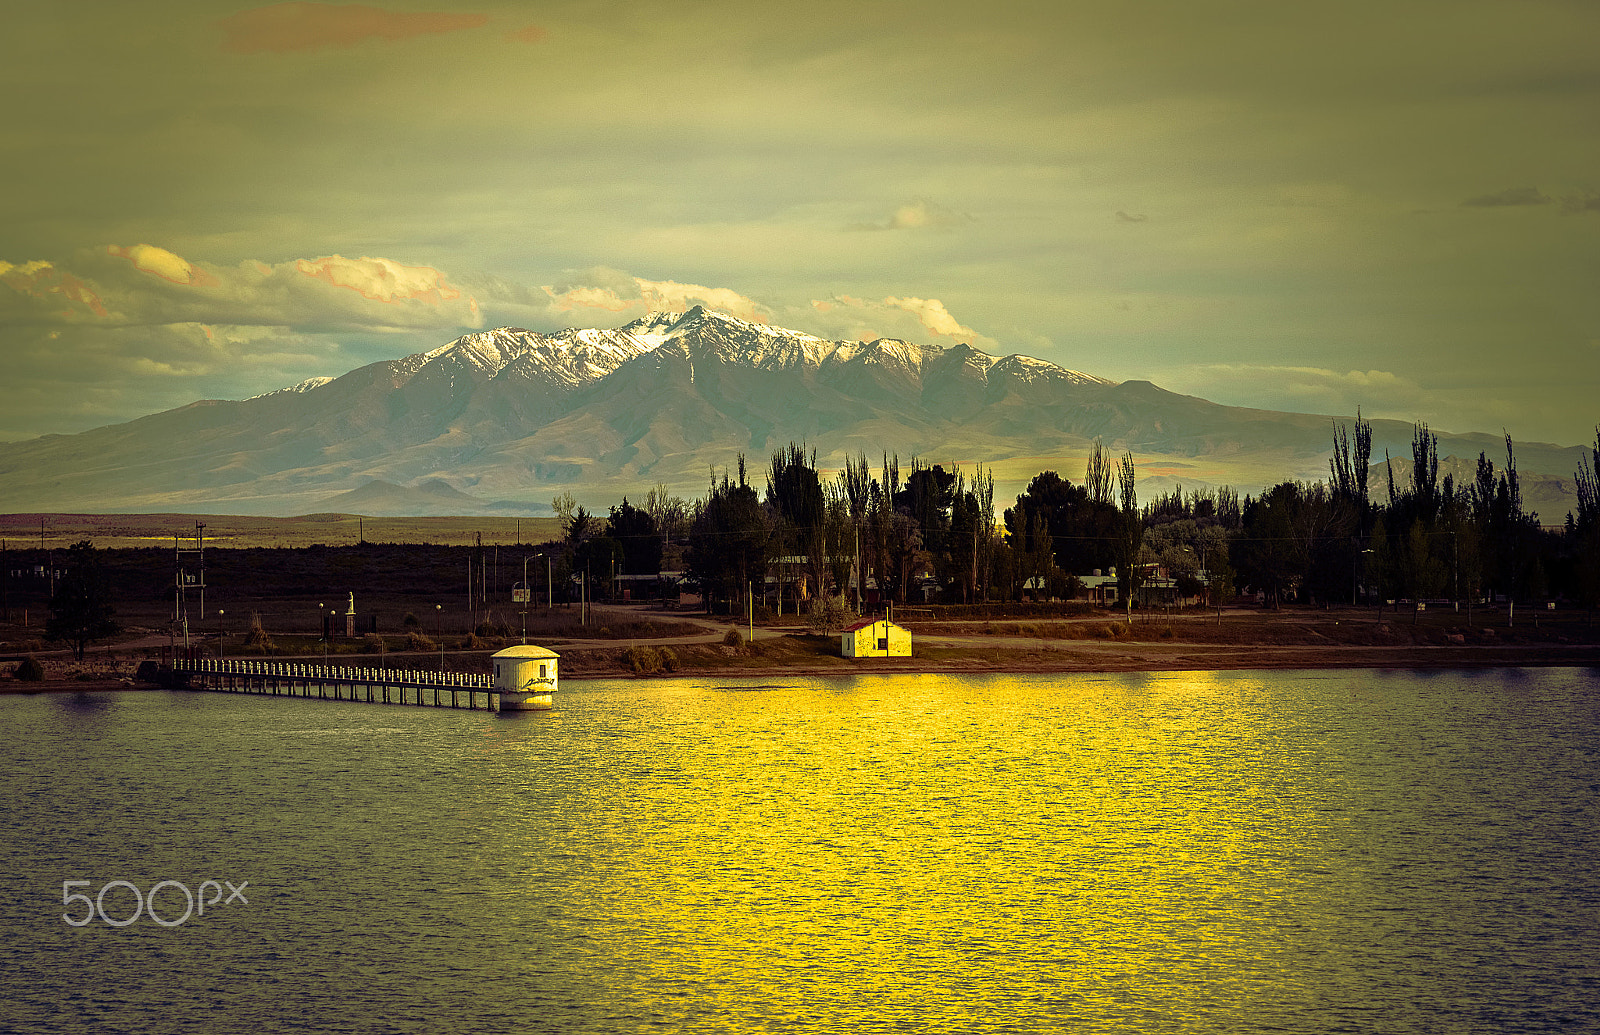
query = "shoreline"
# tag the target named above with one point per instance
(593, 664)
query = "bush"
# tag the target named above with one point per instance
(827, 616)
(256, 640)
(733, 638)
(372, 643)
(29, 670)
(493, 625)
(643, 660)
(410, 621)
(415, 641)
(669, 660)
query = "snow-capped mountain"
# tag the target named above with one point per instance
(574, 357)
(516, 415)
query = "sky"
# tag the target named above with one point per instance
(1387, 205)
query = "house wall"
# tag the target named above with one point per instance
(863, 643)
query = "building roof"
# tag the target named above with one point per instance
(863, 623)
(526, 651)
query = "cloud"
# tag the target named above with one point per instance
(613, 291)
(282, 28)
(381, 280)
(1305, 389)
(911, 319)
(41, 289)
(527, 34)
(164, 264)
(1584, 201)
(114, 332)
(145, 285)
(918, 214)
(1511, 196)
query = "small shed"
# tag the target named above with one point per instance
(875, 638)
(525, 677)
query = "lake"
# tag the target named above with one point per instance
(1310, 851)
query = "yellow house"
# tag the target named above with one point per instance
(875, 638)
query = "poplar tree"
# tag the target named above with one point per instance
(1131, 535)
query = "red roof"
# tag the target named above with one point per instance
(866, 622)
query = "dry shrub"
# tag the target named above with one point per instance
(372, 643)
(493, 626)
(733, 638)
(30, 671)
(643, 660)
(256, 639)
(415, 641)
(669, 659)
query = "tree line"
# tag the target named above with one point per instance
(890, 530)
(900, 530)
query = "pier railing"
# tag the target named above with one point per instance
(373, 684)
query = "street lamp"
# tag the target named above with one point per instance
(221, 635)
(323, 617)
(439, 613)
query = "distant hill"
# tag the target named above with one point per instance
(502, 421)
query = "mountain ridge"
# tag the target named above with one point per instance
(511, 417)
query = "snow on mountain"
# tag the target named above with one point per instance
(300, 389)
(574, 357)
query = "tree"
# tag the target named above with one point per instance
(1586, 528)
(1422, 575)
(635, 531)
(1272, 554)
(972, 532)
(1350, 471)
(579, 527)
(729, 540)
(1131, 536)
(564, 506)
(81, 610)
(669, 512)
(794, 494)
(827, 615)
(1214, 560)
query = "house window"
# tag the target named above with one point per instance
(883, 643)
(541, 670)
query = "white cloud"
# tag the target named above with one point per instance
(614, 292)
(146, 285)
(912, 319)
(918, 214)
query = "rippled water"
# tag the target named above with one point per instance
(1180, 852)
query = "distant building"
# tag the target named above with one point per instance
(875, 638)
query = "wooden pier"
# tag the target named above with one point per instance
(374, 685)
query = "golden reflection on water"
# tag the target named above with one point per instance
(945, 853)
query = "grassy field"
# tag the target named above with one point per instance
(244, 532)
